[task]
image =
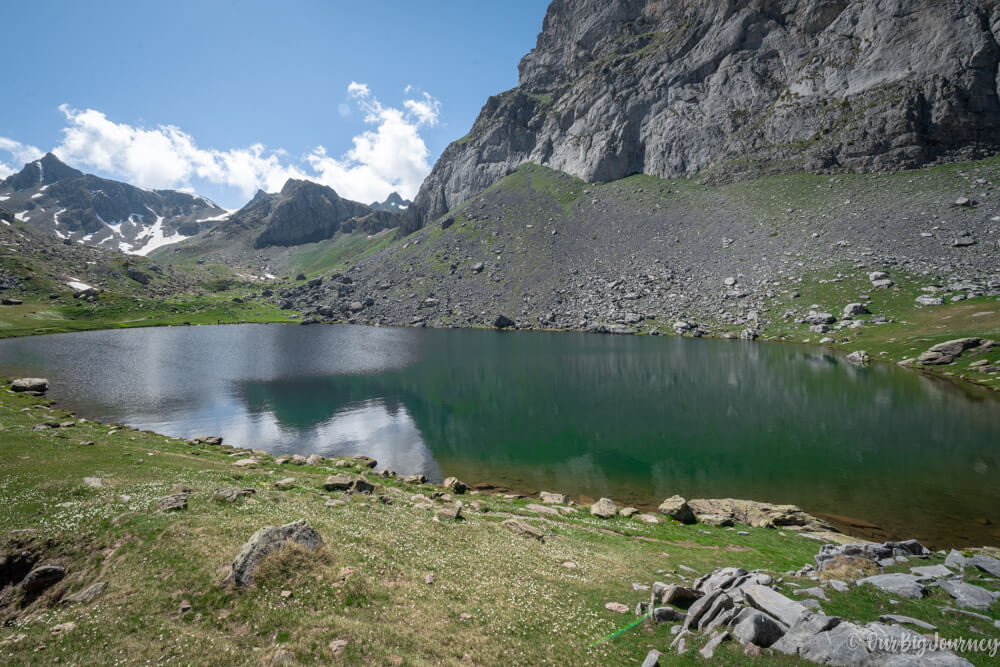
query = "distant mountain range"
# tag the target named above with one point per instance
(51, 196)
(302, 212)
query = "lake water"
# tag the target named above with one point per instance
(633, 418)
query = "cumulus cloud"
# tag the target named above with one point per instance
(20, 154)
(166, 156)
(390, 156)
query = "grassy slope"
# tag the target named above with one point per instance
(366, 585)
(195, 294)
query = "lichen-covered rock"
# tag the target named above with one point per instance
(266, 541)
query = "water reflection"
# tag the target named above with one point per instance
(637, 419)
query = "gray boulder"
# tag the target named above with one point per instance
(231, 494)
(987, 564)
(173, 503)
(41, 577)
(338, 482)
(266, 541)
(40, 385)
(88, 594)
(903, 585)
(751, 626)
(523, 528)
(773, 603)
(969, 596)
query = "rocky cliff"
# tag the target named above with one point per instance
(737, 88)
(77, 207)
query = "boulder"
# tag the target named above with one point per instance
(173, 503)
(285, 484)
(667, 615)
(451, 512)
(987, 564)
(415, 479)
(652, 659)
(456, 485)
(932, 571)
(553, 498)
(41, 577)
(40, 385)
(852, 309)
(928, 300)
(679, 596)
(968, 595)
(773, 603)
(266, 541)
(362, 485)
(366, 461)
(503, 322)
(523, 528)
(708, 650)
(859, 358)
(616, 607)
(315, 459)
(87, 595)
(231, 494)
(803, 630)
(815, 318)
(751, 626)
(955, 348)
(338, 482)
(604, 508)
(903, 585)
(677, 508)
(757, 514)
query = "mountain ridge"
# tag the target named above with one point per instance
(77, 207)
(727, 91)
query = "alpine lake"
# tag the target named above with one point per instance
(879, 450)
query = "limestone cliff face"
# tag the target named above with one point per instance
(736, 88)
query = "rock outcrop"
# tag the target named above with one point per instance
(725, 90)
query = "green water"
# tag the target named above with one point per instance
(633, 418)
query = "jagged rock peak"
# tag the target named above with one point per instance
(729, 90)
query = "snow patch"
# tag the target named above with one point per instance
(22, 216)
(4, 197)
(221, 216)
(37, 195)
(154, 238)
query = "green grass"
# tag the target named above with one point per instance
(118, 312)
(337, 253)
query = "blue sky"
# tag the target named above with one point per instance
(224, 97)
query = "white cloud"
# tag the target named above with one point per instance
(392, 156)
(21, 154)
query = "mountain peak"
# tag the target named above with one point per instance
(44, 171)
(394, 202)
